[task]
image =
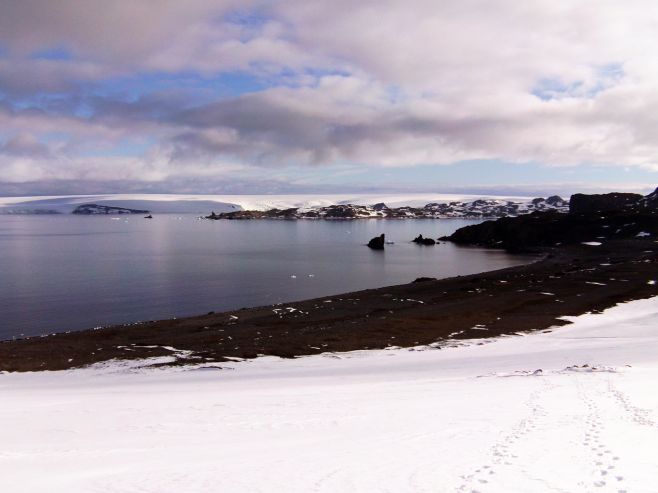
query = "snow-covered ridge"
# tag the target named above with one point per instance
(480, 208)
(180, 203)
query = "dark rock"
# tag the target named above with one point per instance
(379, 206)
(424, 279)
(377, 243)
(591, 204)
(88, 209)
(541, 229)
(340, 212)
(537, 201)
(424, 241)
(651, 200)
(269, 214)
(556, 201)
(148, 217)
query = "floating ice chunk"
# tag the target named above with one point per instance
(592, 243)
(642, 234)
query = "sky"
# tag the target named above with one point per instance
(224, 96)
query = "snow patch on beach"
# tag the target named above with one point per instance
(571, 409)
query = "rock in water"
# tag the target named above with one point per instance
(423, 241)
(377, 243)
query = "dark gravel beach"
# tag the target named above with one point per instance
(568, 280)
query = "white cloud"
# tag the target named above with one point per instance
(422, 82)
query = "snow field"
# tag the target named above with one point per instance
(476, 418)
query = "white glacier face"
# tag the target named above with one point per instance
(574, 409)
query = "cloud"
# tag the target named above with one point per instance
(24, 145)
(371, 83)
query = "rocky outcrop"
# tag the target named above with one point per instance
(557, 201)
(591, 204)
(377, 243)
(87, 209)
(424, 279)
(595, 219)
(269, 214)
(650, 201)
(423, 241)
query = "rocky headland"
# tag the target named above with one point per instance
(591, 219)
(477, 209)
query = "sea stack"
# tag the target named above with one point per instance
(377, 243)
(423, 241)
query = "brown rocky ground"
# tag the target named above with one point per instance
(568, 281)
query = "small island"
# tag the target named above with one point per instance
(91, 209)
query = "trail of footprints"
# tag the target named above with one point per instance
(501, 452)
(603, 459)
(637, 414)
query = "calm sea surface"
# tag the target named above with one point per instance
(71, 272)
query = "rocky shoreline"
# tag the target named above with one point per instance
(568, 281)
(591, 260)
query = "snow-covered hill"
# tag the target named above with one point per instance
(479, 208)
(572, 410)
(163, 203)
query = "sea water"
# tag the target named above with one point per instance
(68, 272)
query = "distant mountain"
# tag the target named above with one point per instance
(481, 208)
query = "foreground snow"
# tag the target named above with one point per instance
(473, 418)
